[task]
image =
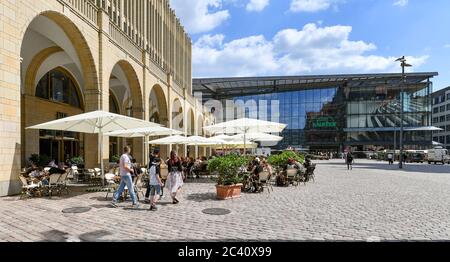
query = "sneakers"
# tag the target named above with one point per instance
(147, 201)
(114, 204)
(135, 205)
(175, 201)
(153, 208)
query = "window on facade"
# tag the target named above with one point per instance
(448, 96)
(442, 109)
(435, 120)
(447, 117)
(442, 119)
(436, 100)
(57, 86)
(436, 110)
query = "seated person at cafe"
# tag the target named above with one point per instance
(54, 169)
(257, 168)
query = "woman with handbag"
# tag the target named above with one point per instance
(175, 178)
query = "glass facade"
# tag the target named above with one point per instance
(313, 117)
(331, 112)
(332, 118)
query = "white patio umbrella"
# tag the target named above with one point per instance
(96, 122)
(145, 132)
(169, 140)
(260, 137)
(245, 126)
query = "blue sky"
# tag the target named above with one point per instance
(303, 37)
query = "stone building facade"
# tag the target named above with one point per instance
(64, 57)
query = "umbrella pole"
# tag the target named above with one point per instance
(245, 143)
(102, 170)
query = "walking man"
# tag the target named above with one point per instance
(390, 158)
(126, 170)
(349, 161)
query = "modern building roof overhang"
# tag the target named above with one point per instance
(220, 88)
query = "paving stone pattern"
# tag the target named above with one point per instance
(373, 202)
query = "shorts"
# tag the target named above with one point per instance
(155, 190)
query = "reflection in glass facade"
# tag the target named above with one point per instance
(361, 111)
(313, 117)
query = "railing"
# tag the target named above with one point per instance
(124, 41)
(86, 8)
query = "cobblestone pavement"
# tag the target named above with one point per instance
(372, 202)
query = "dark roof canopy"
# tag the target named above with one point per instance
(237, 86)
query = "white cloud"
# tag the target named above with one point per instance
(401, 2)
(310, 50)
(447, 46)
(199, 16)
(311, 5)
(257, 5)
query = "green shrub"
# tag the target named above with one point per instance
(114, 159)
(77, 160)
(281, 160)
(228, 168)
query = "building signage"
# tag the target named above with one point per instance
(324, 122)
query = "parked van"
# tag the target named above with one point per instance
(438, 155)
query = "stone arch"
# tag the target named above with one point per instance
(190, 122)
(200, 125)
(177, 115)
(83, 51)
(135, 87)
(158, 106)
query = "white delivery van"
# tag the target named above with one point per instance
(438, 155)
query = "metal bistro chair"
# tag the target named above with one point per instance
(138, 185)
(27, 189)
(62, 182)
(53, 184)
(292, 176)
(111, 185)
(264, 180)
(310, 173)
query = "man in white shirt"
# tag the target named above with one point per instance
(126, 170)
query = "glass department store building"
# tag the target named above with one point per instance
(330, 113)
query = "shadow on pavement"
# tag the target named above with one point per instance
(200, 197)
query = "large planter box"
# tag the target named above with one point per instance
(228, 192)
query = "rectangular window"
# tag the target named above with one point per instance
(436, 100)
(442, 109)
(448, 117)
(448, 96)
(442, 119)
(435, 120)
(448, 106)
(436, 110)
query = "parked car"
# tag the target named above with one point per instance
(415, 158)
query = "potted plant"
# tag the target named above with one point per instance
(229, 182)
(281, 160)
(78, 161)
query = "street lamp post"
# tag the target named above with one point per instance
(402, 85)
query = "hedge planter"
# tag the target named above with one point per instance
(228, 192)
